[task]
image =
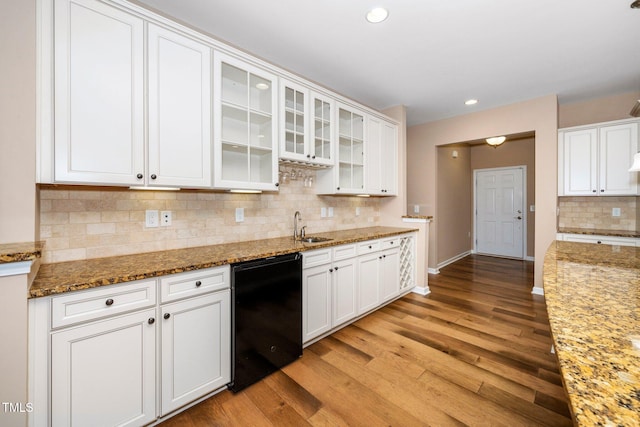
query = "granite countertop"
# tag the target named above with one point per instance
(76, 275)
(17, 252)
(593, 300)
(599, 232)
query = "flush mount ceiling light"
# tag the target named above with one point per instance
(496, 140)
(377, 14)
(471, 102)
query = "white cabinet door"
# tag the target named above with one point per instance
(245, 139)
(316, 301)
(103, 373)
(179, 73)
(580, 162)
(294, 123)
(322, 123)
(618, 145)
(196, 348)
(373, 172)
(345, 305)
(389, 159)
(368, 282)
(389, 274)
(99, 90)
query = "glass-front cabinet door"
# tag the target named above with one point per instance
(294, 129)
(245, 114)
(350, 150)
(322, 129)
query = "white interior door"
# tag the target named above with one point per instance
(500, 218)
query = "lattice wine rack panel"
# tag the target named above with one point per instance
(407, 263)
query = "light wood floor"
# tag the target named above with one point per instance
(474, 352)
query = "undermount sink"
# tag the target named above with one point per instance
(315, 239)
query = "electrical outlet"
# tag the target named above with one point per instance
(615, 211)
(330, 212)
(532, 208)
(239, 214)
(165, 218)
(151, 219)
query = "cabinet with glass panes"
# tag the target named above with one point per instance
(245, 109)
(306, 118)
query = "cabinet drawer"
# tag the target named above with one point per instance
(368, 247)
(317, 257)
(92, 304)
(182, 285)
(390, 243)
(344, 252)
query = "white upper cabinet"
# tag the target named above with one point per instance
(99, 94)
(245, 110)
(179, 110)
(594, 161)
(305, 125)
(381, 166)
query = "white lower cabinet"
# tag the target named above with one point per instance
(104, 373)
(347, 281)
(93, 353)
(196, 348)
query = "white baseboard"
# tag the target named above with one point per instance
(433, 271)
(529, 258)
(420, 290)
(453, 259)
(537, 291)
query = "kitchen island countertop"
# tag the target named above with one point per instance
(69, 276)
(593, 300)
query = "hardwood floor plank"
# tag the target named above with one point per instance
(474, 352)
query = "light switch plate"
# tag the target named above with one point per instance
(239, 214)
(151, 219)
(323, 212)
(330, 213)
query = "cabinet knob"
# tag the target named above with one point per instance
(602, 191)
(198, 283)
(151, 321)
(380, 257)
(594, 191)
(331, 270)
(369, 246)
(336, 268)
(313, 157)
(599, 241)
(153, 176)
(109, 301)
(277, 184)
(338, 188)
(167, 315)
(308, 156)
(139, 176)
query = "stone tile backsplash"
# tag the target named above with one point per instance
(596, 213)
(79, 222)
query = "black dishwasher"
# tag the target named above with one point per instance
(266, 297)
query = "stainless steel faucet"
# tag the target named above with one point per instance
(296, 217)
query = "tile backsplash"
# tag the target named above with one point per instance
(596, 213)
(78, 222)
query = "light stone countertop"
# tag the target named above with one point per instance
(593, 300)
(69, 276)
(17, 252)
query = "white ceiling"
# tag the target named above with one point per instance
(433, 55)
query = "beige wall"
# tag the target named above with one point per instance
(538, 115)
(615, 107)
(512, 153)
(18, 220)
(454, 202)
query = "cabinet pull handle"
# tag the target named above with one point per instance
(599, 241)
(139, 176)
(198, 283)
(153, 176)
(602, 191)
(594, 191)
(167, 315)
(109, 301)
(151, 321)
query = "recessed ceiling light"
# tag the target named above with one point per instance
(377, 14)
(471, 102)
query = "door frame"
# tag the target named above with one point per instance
(524, 207)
